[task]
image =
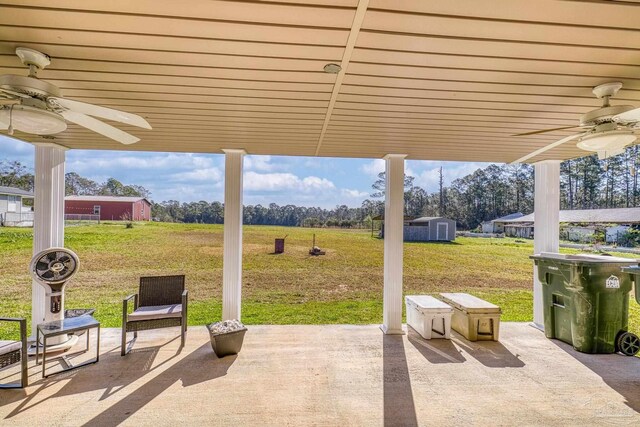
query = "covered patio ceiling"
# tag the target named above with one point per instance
(435, 80)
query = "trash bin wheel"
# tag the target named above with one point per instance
(628, 343)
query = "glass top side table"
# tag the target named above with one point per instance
(64, 327)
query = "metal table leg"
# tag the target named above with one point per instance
(37, 344)
(98, 345)
(44, 355)
(63, 357)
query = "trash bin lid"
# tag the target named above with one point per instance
(428, 303)
(583, 259)
(470, 304)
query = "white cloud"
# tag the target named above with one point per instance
(212, 175)
(259, 163)
(374, 167)
(314, 183)
(427, 173)
(428, 179)
(114, 164)
(354, 194)
(254, 181)
(310, 181)
(189, 193)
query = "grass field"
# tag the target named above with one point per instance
(344, 286)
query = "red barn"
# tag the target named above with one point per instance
(108, 207)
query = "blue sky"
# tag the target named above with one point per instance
(304, 181)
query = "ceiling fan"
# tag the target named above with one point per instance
(35, 106)
(607, 130)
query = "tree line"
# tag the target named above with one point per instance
(485, 194)
(15, 174)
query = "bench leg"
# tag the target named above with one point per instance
(495, 328)
(428, 327)
(474, 324)
(447, 327)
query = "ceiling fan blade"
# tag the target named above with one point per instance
(4, 101)
(100, 127)
(549, 147)
(535, 132)
(628, 117)
(102, 112)
(13, 93)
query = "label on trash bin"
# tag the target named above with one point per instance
(613, 283)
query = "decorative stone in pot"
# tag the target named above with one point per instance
(226, 337)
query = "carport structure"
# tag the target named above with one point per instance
(419, 79)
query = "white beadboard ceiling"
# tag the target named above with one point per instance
(436, 80)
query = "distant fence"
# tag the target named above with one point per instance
(16, 219)
(82, 217)
(483, 235)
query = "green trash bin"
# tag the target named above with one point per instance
(586, 299)
(635, 278)
(629, 343)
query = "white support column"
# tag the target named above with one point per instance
(232, 257)
(48, 224)
(393, 243)
(547, 224)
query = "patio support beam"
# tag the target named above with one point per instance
(393, 243)
(48, 223)
(547, 224)
(232, 255)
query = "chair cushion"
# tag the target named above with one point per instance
(9, 346)
(154, 312)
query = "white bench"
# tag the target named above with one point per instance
(429, 316)
(473, 318)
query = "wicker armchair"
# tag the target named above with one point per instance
(160, 303)
(15, 351)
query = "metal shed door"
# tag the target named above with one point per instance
(442, 231)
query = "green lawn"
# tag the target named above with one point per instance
(344, 286)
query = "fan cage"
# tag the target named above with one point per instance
(54, 266)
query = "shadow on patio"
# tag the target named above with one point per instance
(621, 373)
(399, 408)
(491, 354)
(114, 373)
(436, 350)
(336, 375)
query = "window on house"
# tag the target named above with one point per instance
(142, 210)
(13, 204)
(96, 210)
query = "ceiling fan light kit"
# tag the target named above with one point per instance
(607, 144)
(33, 120)
(37, 107)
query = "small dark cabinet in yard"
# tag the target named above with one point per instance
(279, 246)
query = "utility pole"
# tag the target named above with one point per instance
(442, 210)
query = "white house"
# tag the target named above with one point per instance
(12, 210)
(581, 224)
(497, 225)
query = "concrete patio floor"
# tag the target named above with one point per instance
(338, 375)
